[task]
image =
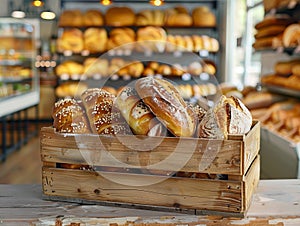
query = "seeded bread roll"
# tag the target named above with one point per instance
(139, 117)
(103, 118)
(69, 117)
(167, 105)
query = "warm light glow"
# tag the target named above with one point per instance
(105, 2)
(48, 15)
(156, 2)
(37, 3)
(18, 14)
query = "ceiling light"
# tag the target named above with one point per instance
(37, 3)
(156, 2)
(106, 2)
(18, 14)
(48, 15)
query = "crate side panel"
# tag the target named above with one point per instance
(183, 193)
(170, 154)
(251, 147)
(250, 182)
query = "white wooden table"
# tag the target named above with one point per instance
(276, 202)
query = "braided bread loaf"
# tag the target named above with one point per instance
(103, 117)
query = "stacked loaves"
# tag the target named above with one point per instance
(153, 107)
(287, 75)
(118, 16)
(149, 38)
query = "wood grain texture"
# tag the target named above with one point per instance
(275, 202)
(156, 153)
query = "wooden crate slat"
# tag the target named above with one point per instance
(173, 192)
(221, 157)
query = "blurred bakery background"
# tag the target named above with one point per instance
(54, 49)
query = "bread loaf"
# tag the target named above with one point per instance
(167, 105)
(119, 16)
(69, 117)
(103, 118)
(72, 40)
(151, 39)
(93, 17)
(95, 67)
(119, 37)
(140, 119)
(228, 116)
(291, 35)
(71, 18)
(203, 17)
(95, 40)
(269, 31)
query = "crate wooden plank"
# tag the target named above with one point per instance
(250, 182)
(190, 155)
(182, 193)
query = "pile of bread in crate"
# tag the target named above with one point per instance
(147, 147)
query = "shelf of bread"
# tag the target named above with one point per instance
(278, 31)
(147, 39)
(286, 78)
(119, 68)
(278, 114)
(120, 16)
(281, 6)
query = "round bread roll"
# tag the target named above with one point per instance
(171, 44)
(95, 66)
(144, 18)
(203, 17)
(69, 117)
(119, 37)
(197, 42)
(291, 35)
(179, 19)
(70, 68)
(151, 39)
(71, 18)
(148, 72)
(70, 89)
(164, 70)
(119, 16)
(71, 39)
(95, 39)
(93, 17)
(135, 69)
(167, 105)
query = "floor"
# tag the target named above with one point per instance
(24, 165)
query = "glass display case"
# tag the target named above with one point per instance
(19, 82)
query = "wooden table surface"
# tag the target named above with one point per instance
(276, 202)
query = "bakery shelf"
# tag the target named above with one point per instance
(288, 50)
(282, 90)
(291, 9)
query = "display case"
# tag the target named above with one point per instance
(19, 85)
(19, 82)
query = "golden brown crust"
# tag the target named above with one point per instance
(119, 16)
(167, 105)
(72, 18)
(69, 117)
(139, 117)
(103, 118)
(71, 39)
(93, 17)
(203, 17)
(95, 39)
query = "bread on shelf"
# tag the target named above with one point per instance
(71, 18)
(151, 39)
(291, 35)
(203, 17)
(119, 16)
(71, 40)
(95, 40)
(121, 38)
(93, 17)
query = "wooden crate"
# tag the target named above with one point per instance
(127, 170)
